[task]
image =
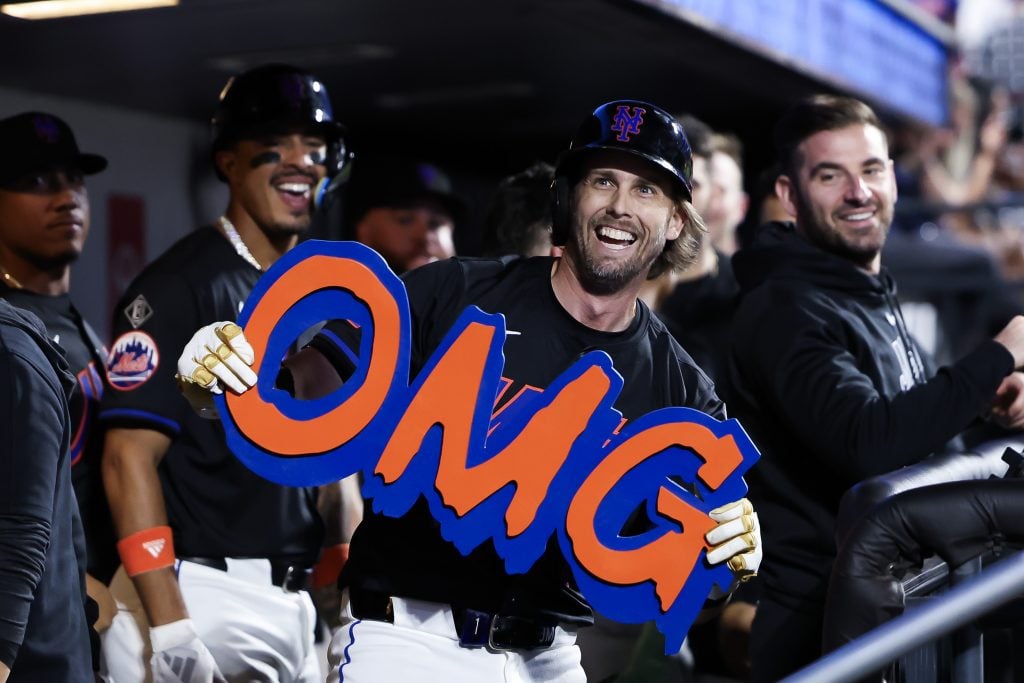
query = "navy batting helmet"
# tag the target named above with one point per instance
(275, 95)
(637, 128)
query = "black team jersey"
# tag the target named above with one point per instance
(216, 506)
(86, 357)
(407, 557)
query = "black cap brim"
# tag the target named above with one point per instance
(91, 163)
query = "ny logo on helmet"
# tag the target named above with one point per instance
(627, 121)
(46, 129)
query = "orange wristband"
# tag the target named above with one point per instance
(146, 550)
(332, 560)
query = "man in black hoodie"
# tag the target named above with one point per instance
(826, 377)
(44, 632)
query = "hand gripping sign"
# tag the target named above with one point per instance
(553, 465)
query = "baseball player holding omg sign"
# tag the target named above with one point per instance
(533, 441)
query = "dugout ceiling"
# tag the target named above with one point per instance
(478, 84)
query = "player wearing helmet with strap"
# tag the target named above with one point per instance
(220, 557)
(418, 608)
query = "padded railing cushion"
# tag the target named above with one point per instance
(955, 521)
(997, 458)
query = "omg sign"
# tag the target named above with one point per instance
(558, 465)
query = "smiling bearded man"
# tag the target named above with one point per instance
(419, 609)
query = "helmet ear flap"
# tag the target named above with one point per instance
(559, 211)
(339, 161)
(339, 170)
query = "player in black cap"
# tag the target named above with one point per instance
(221, 558)
(405, 210)
(418, 608)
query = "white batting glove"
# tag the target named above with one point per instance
(217, 356)
(180, 657)
(736, 540)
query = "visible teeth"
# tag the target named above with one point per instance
(613, 234)
(858, 216)
(297, 188)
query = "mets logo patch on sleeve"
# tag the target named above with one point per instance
(133, 359)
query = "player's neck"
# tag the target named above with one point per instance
(606, 313)
(17, 274)
(264, 248)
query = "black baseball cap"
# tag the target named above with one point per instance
(36, 141)
(397, 183)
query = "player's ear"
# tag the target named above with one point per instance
(226, 161)
(679, 220)
(786, 191)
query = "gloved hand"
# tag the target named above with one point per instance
(218, 355)
(736, 539)
(180, 657)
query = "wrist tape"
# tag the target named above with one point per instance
(174, 634)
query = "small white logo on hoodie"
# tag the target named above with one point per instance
(906, 374)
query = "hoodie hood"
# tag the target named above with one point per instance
(33, 327)
(779, 253)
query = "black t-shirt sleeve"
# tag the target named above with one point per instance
(437, 296)
(705, 399)
(142, 361)
(30, 453)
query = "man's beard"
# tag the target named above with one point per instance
(607, 278)
(829, 238)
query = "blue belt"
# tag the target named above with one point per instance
(475, 628)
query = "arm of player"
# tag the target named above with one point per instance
(341, 507)
(129, 465)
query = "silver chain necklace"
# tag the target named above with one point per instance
(237, 243)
